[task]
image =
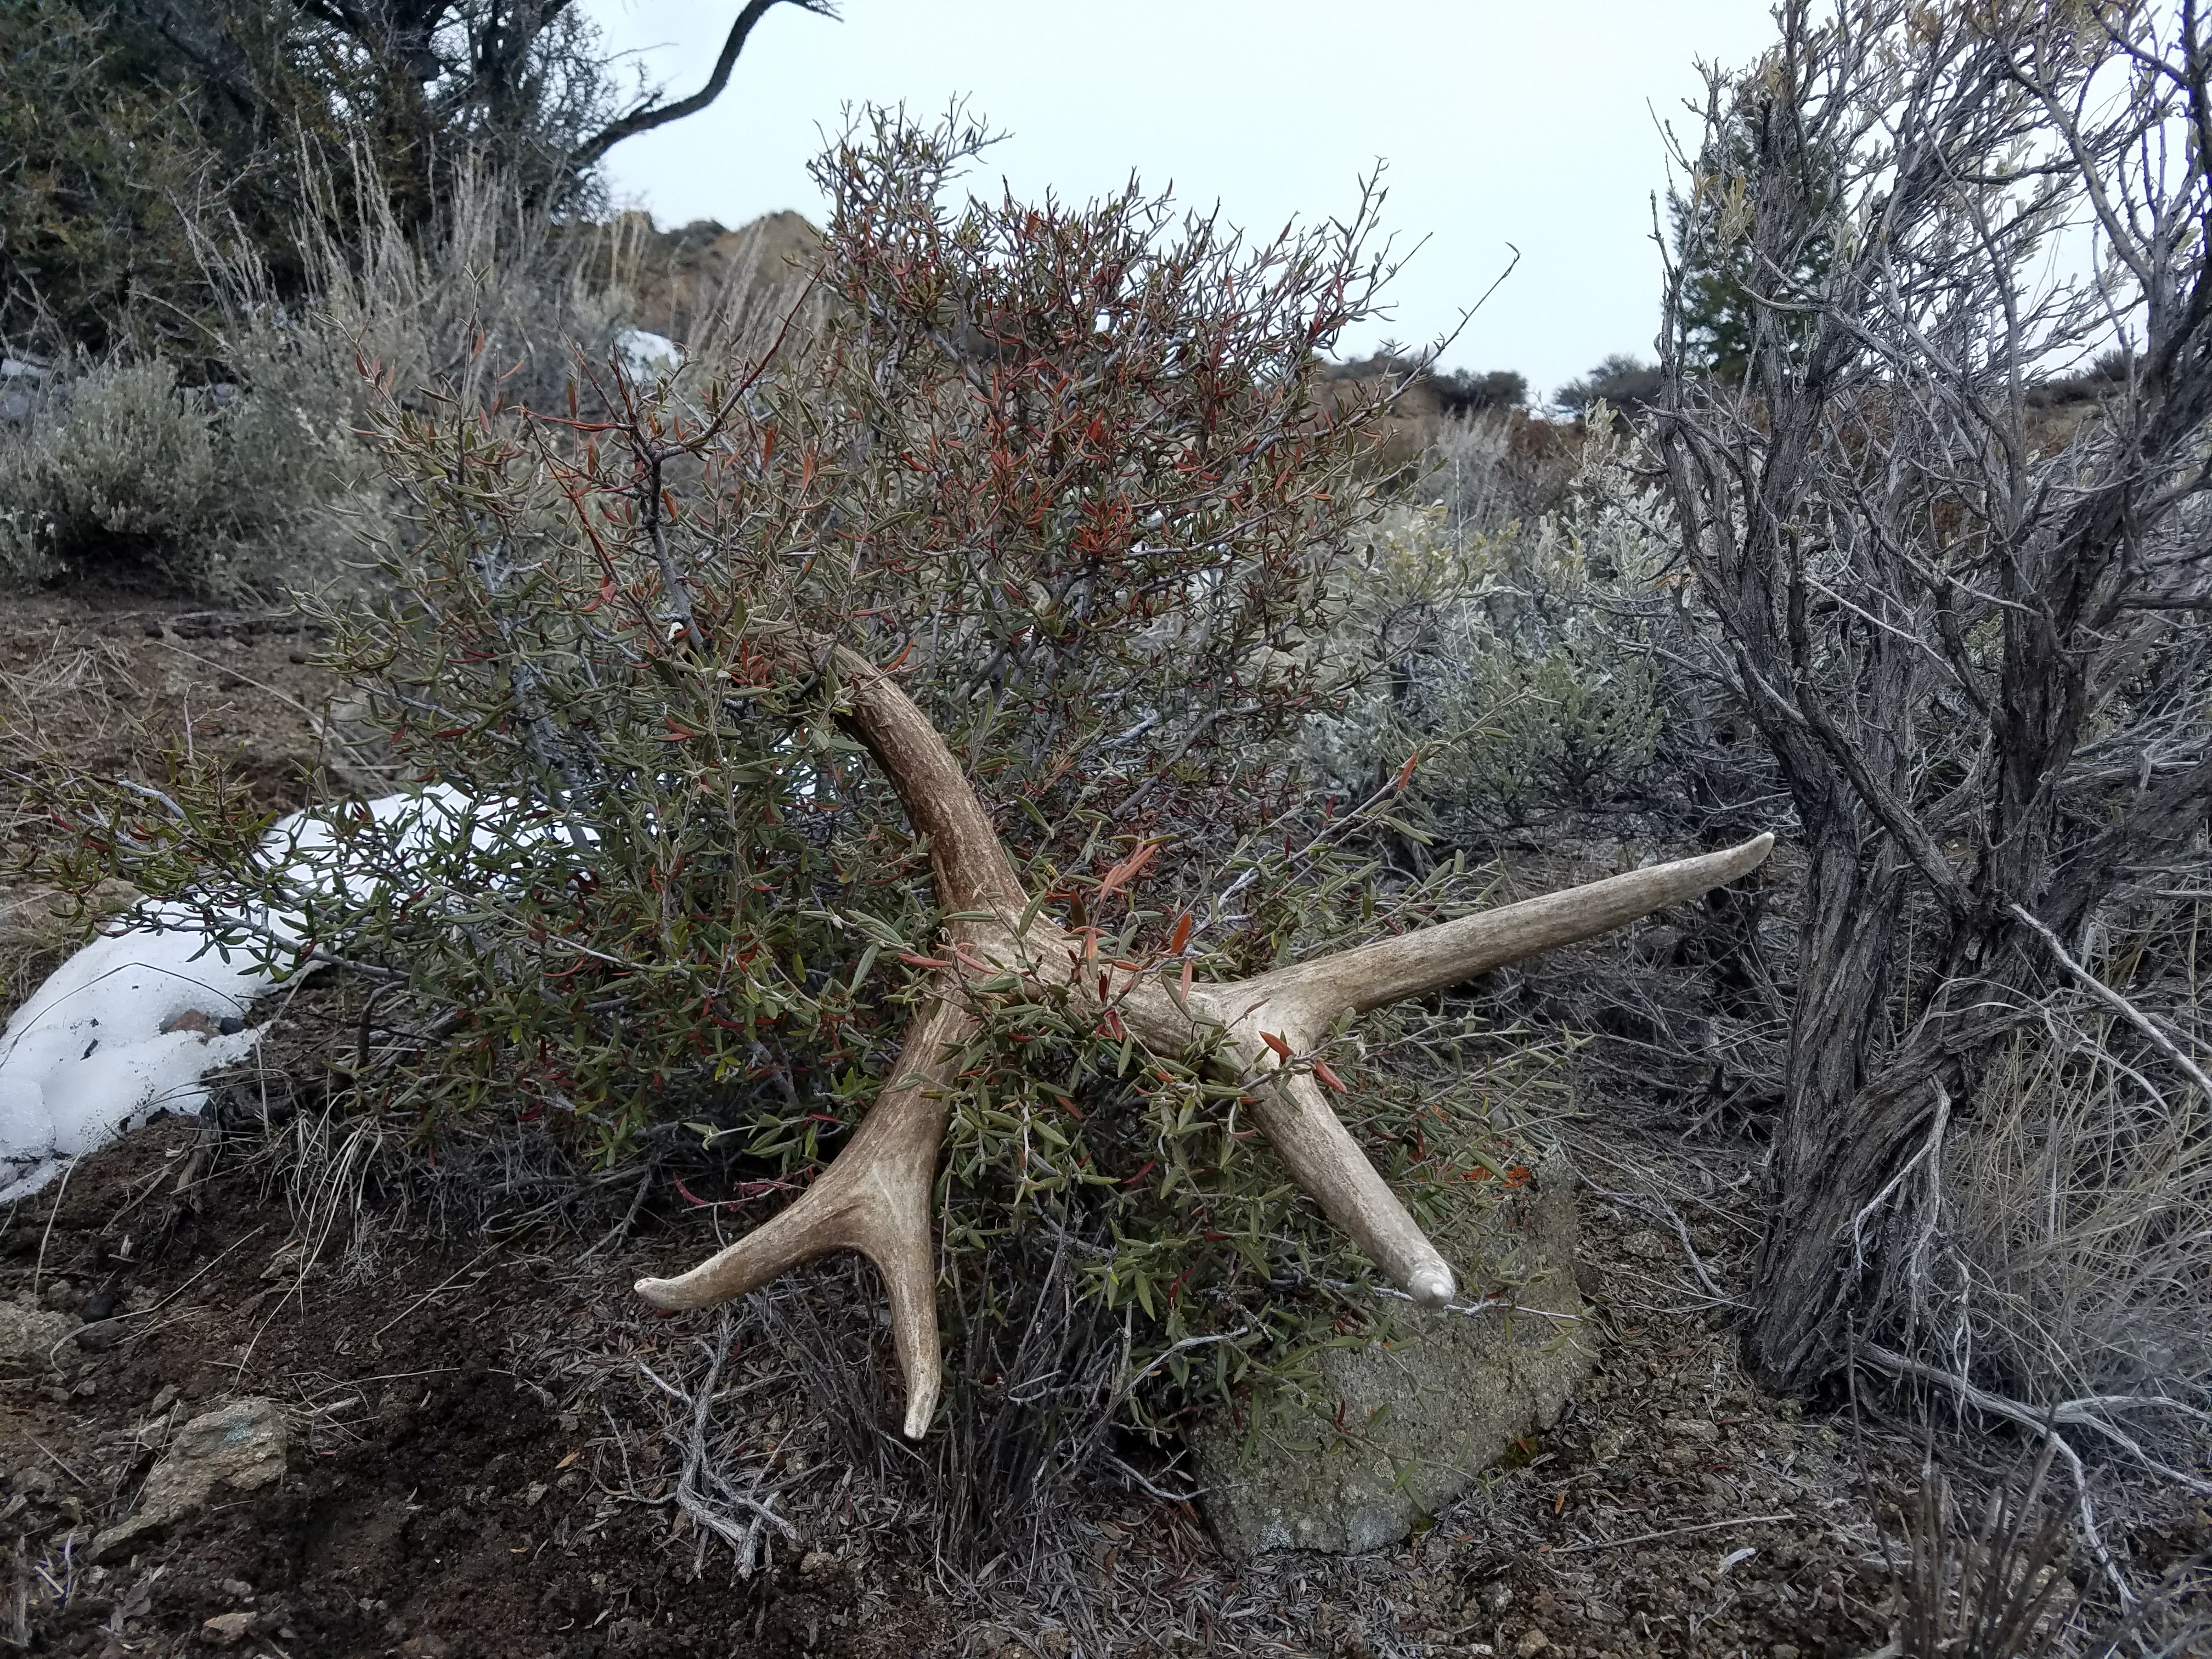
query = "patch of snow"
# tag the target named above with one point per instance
(95, 1050)
(644, 352)
(127, 1027)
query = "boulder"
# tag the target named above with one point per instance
(238, 1447)
(1425, 1413)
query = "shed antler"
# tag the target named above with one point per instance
(874, 1197)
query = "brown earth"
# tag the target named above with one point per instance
(497, 1450)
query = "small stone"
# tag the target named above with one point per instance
(1782, 1651)
(237, 1589)
(192, 1019)
(1533, 1641)
(1450, 1397)
(227, 1629)
(816, 1562)
(239, 1447)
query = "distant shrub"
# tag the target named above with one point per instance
(125, 476)
(1496, 663)
(252, 474)
(1463, 392)
(1621, 382)
(101, 170)
(135, 457)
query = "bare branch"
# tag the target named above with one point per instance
(659, 115)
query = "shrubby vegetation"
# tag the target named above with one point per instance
(1066, 470)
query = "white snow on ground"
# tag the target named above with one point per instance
(87, 1056)
(98, 1048)
(645, 353)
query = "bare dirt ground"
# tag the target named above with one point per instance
(496, 1450)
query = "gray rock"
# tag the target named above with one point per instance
(238, 1447)
(27, 1336)
(1435, 1408)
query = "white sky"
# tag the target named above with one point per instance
(1501, 121)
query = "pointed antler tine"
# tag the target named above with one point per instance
(1430, 958)
(1324, 1159)
(795, 1235)
(910, 1283)
(874, 1197)
(1303, 1000)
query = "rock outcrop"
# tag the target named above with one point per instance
(1419, 1419)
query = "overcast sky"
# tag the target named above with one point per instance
(1501, 121)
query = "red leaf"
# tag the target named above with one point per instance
(1125, 871)
(1321, 1070)
(1275, 1042)
(1181, 937)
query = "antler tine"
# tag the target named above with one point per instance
(874, 1197)
(1324, 1159)
(1298, 1004)
(1430, 958)
(966, 857)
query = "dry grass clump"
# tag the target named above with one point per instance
(2077, 1219)
(2081, 1200)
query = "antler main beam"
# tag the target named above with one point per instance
(874, 1196)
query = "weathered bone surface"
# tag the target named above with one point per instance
(874, 1197)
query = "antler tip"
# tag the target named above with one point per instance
(1430, 1286)
(661, 1293)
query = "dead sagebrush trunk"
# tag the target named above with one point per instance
(1971, 635)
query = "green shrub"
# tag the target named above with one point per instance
(1065, 469)
(124, 475)
(255, 475)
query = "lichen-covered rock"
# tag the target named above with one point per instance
(238, 1447)
(1423, 1417)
